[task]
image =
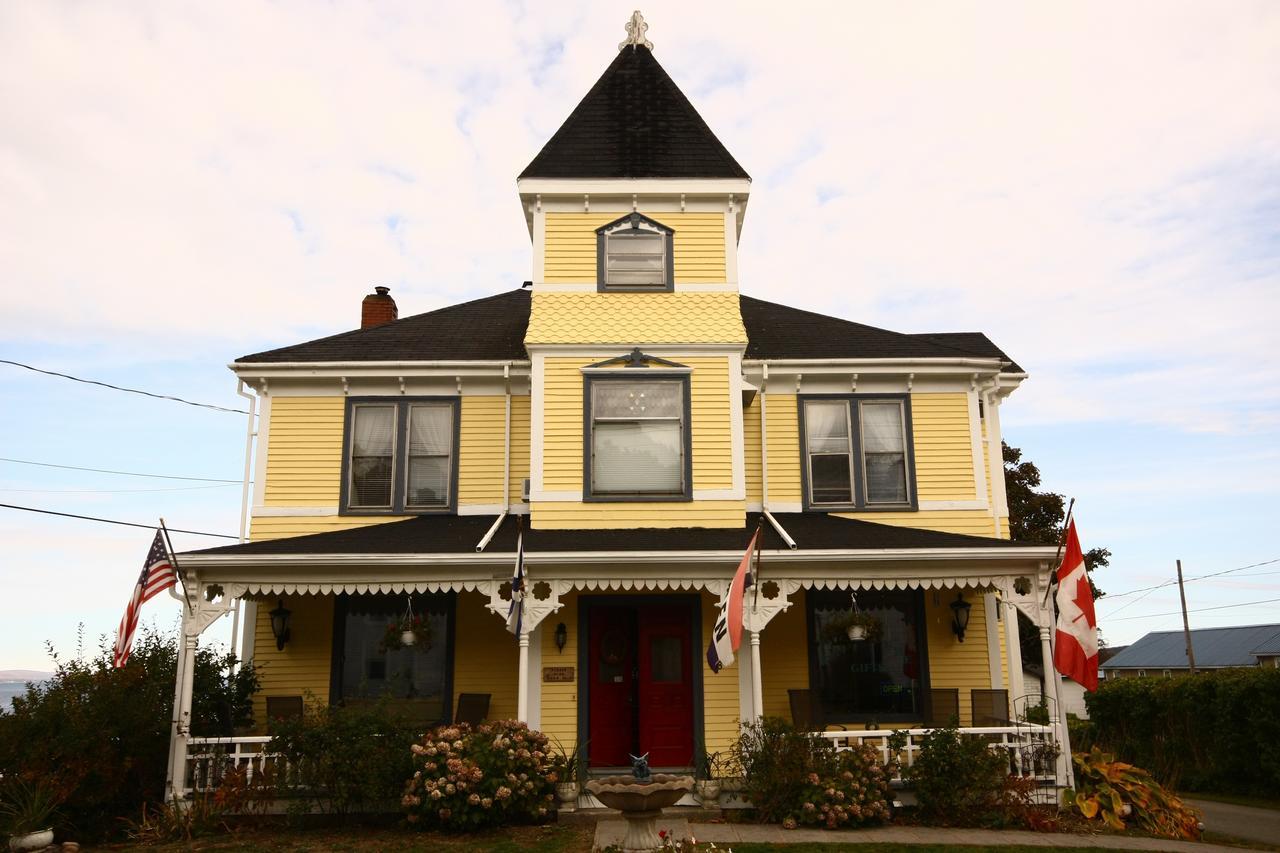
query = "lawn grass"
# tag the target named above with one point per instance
(551, 838)
(823, 847)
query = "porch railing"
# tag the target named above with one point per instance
(1032, 750)
(210, 759)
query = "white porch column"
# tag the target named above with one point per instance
(181, 729)
(1013, 653)
(1056, 718)
(757, 683)
(522, 688)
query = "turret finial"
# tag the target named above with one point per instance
(636, 28)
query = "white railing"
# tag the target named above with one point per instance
(1032, 750)
(209, 759)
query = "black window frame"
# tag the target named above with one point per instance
(338, 658)
(399, 481)
(686, 433)
(858, 460)
(816, 597)
(602, 255)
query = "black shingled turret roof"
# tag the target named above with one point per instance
(493, 329)
(634, 123)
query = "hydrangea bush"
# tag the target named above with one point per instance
(796, 779)
(473, 777)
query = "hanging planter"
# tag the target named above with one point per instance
(411, 630)
(856, 625)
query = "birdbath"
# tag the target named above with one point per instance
(641, 797)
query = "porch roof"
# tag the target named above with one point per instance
(450, 534)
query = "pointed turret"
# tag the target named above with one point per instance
(634, 123)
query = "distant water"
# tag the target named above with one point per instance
(9, 689)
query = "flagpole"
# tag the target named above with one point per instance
(177, 570)
(1057, 557)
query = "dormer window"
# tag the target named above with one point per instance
(634, 253)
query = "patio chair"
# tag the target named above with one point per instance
(990, 707)
(942, 707)
(472, 708)
(806, 715)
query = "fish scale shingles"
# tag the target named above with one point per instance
(634, 123)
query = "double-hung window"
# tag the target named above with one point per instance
(401, 455)
(634, 253)
(637, 444)
(857, 452)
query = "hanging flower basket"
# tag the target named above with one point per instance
(856, 626)
(412, 631)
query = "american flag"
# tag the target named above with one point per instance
(158, 574)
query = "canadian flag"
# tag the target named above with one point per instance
(1076, 653)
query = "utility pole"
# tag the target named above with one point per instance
(1186, 628)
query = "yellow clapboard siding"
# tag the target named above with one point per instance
(302, 668)
(277, 527)
(485, 657)
(560, 698)
(520, 407)
(721, 709)
(964, 666)
(943, 446)
(698, 248)
(304, 451)
(481, 451)
(751, 448)
(569, 515)
(632, 318)
(784, 657)
(784, 447)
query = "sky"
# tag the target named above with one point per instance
(1094, 185)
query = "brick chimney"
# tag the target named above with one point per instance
(378, 308)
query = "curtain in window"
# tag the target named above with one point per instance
(637, 438)
(884, 449)
(827, 440)
(372, 443)
(635, 258)
(430, 441)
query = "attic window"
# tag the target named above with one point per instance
(634, 253)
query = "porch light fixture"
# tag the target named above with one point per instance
(960, 616)
(562, 636)
(280, 624)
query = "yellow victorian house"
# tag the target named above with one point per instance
(631, 416)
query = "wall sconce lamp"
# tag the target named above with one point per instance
(960, 616)
(280, 624)
(562, 636)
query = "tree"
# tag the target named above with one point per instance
(1036, 516)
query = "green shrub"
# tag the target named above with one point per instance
(796, 778)
(343, 760)
(1218, 730)
(469, 778)
(99, 736)
(958, 780)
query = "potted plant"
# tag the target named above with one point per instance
(27, 812)
(412, 630)
(567, 767)
(855, 625)
(710, 772)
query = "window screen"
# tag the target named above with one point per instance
(372, 455)
(430, 445)
(830, 452)
(637, 438)
(635, 257)
(884, 452)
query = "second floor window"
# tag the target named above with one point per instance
(857, 452)
(637, 443)
(400, 456)
(634, 253)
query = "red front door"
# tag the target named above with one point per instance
(640, 680)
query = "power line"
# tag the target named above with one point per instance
(114, 491)
(1197, 610)
(122, 473)
(118, 388)
(114, 521)
(1188, 580)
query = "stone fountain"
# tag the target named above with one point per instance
(640, 797)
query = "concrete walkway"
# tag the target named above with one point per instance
(611, 830)
(1249, 822)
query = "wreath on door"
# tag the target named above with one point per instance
(613, 647)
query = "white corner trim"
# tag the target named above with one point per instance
(539, 243)
(731, 246)
(975, 448)
(537, 397)
(260, 452)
